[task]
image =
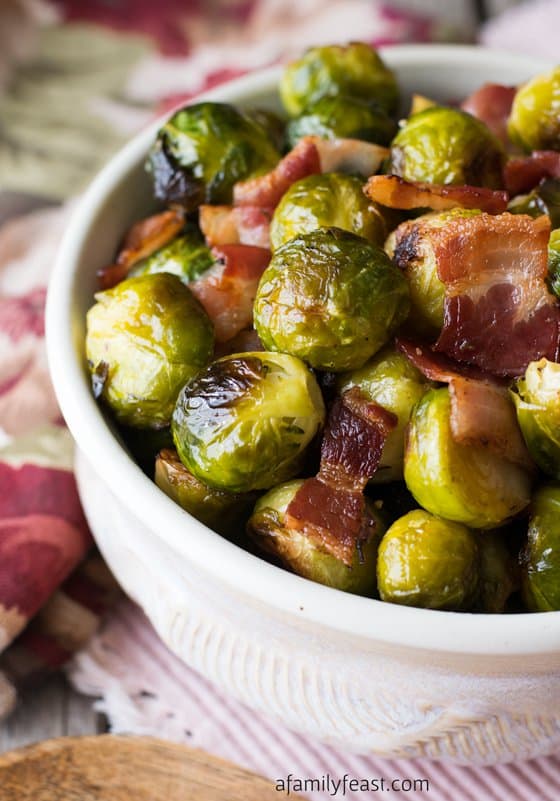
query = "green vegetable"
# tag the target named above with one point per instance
(322, 201)
(534, 122)
(203, 150)
(344, 118)
(145, 339)
(428, 562)
(447, 146)
(353, 70)
(468, 484)
(272, 124)
(538, 413)
(299, 553)
(544, 199)
(187, 257)
(245, 421)
(554, 262)
(393, 382)
(331, 298)
(540, 559)
(499, 572)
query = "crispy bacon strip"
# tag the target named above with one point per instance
(265, 191)
(330, 508)
(524, 173)
(349, 155)
(396, 193)
(438, 366)
(227, 291)
(141, 241)
(492, 103)
(236, 225)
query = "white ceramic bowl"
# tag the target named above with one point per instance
(354, 672)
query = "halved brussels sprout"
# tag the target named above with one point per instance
(299, 553)
(554, 262)
(353, 70)
(187, 257)
(538, 413)
(331, 298)
(344, 118)
(244, 423)
(467, 484)
(447, 146)
(534, 122)
(544, 199)
(145, 339)
(320, 201)
(393, 382)
(428, 562)
(222, 511)
(540, 559)
(203, 150)
(499, 572)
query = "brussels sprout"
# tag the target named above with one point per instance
(353, 70)
(428, 562)
(344, 118)
(393, 382)
(534, 122)
(447, 146)
(538, 413)
(145, 339)
(540, 559)
(273, 125)
(244, 423)
(468, 484)
(499, 572)
(299, 553)
(544, 199)
(203, 150)
(320, 201)
(187, 257)
(554, 262)
(221, 511)
(331, 298)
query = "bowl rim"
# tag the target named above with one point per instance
(242, 572)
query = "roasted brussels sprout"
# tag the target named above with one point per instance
(145, 339)
(499, 572)
(273, 125)
(222, 511)
(540, 559)
(353, 70)
(345, 118)
(393, 382)
(331, 298)
(538, 413)
(467, 484)
(544, 199)
(187, 257)
(203, 150)
(534, 122)
(447, 146)
(428, 562)
(298, 552)
(244, 423)
(320, 201)
(554, 262)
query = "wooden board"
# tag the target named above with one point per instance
(114, 768)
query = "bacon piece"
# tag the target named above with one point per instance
(330, 508)
(396, 193)
(349, 155)
(438, 366)
(499, 314)
(491, 104)
(235, 225)
(228, 289)
(524, 173)
(265, 191)
(141, 241)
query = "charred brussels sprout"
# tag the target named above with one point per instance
(320, 201)
(345, 118)
(187, 257)
(428, 562)
(330, 298)
(203, 150)
(221, 511)
(145, 339)
(353, 70)
(499, 572)
(244, 423)
(540, 559)
(300, 554)
(544, 199)
(447, 146)
(534, 122)
(538, 413)
(554, 262)
(467, 484)
(393, 382)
